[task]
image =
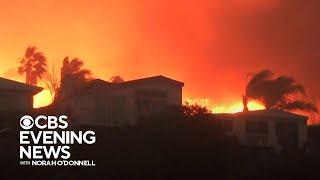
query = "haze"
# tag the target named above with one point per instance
(209, 45)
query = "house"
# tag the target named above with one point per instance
(16, 99)
(16, 96)
(275, 129)
(120, 104)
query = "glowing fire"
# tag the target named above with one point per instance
(231, 108)
(42, 99)
(237, 107)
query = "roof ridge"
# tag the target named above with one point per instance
(151, 77)
(12, 84)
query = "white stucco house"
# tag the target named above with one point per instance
(120, 104)
(275, 129)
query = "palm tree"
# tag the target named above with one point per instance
(33, 64)
(73, 77)
(278, 93)
(74, 68)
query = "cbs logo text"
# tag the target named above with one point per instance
(44, 122)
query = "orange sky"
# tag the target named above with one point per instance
(209, 45)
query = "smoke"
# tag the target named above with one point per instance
(12, 73)
(210, 45)
(213, 45)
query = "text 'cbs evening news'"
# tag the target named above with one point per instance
(44, 141)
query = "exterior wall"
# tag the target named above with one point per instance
(124, 99)
(273, 142)
(253, 138)
(85, 109)
(303, 134)
(239, 130)
(154, 96)
(121, 105)
(296, 136)
(15, 101)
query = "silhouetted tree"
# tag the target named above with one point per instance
(73, 76)
(195, 110)
(74, 68)
(52, 81)
(277, 92)
(116, 79)
(33, 64)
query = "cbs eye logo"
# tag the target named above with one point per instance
(26, 122)
(44, 122)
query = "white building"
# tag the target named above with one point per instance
(272, 128)
(16, 96)
(121, 104)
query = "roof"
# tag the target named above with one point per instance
(102, 83)
(148, 79)
(270, 113)
(133, 82)
(15, 85)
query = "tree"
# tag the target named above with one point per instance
(52, 81)
(279, 92)
(33, 64)
(73, 77)
(195, 110)
(74, 68)
(116, 79)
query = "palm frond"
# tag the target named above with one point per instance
(76, 64)
(295, 88)
(30, 51)
(259, 77)
(21, 70)
(302, 105)
(34, 64)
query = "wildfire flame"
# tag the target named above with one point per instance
(227, 108)
(44, 98)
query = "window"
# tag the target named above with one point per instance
(287, 134)
(257, 126)
(253, 139)
(117, 111)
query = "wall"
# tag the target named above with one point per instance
(239, 131)
(117, 104)
(15, 101)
